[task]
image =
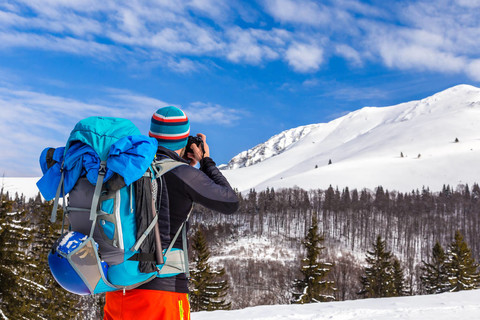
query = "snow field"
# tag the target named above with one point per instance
(446, 306)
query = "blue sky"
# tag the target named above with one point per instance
(242, 70)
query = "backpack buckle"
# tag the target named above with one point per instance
(103, 168)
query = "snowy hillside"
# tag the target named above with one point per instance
(275, 145)
(25, 186)
(365, 148)
(447, 306)
(401, 147)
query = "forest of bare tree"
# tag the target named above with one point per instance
(411, 223)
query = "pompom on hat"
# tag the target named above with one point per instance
(171, 127)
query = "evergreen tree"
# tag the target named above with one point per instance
(208, 292)
(314, 287)
(378, 280)
(10, 258)
(400, 289)
(462, 270)
(27, 289)
(49, 300)
(434, 276)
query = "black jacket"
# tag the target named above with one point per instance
(178, 190)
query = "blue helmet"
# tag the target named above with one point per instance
(64, 270)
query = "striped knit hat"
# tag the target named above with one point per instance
(171, 127)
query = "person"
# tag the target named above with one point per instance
(167, 298)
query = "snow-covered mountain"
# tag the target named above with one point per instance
(401, 147)
(446, 306)
(274, 146)
(431, 142)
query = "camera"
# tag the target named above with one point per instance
(191, 140)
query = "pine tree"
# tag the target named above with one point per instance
(400, 289)
(10, 261)
(208, 292)
(315, 286)
(378, 280)
(462, 270)
(27, 288)
(50, 300)
(434, 276)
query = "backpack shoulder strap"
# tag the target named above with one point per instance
(158, 168)
(164, 165)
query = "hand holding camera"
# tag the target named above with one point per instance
(196, 149)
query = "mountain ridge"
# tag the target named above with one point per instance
(366, 148)
(376, 134)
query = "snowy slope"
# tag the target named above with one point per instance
(275, 145)
(365, 148)
(447, 306)
(25, 186)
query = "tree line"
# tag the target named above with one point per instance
(417, 227)
(409, 223)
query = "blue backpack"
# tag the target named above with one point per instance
(110, 174)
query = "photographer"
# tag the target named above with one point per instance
(167, 298)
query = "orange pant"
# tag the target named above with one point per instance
(141, 304)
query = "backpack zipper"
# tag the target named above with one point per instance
(131, 198)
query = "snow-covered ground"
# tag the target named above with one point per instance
(25, 186)
(255, 248)
(463, 305)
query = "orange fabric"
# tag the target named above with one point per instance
(141, 304)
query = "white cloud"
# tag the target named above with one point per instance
(350, 54)
(131, 22)
(310, 83)
(63, 44)
(455, 27)
(469, 3)
(438, 36)
(216, 9)
(244, 47)
(31, 121)
(364, 9)
(212, 113)
(355, 93)
(420, 58)
(183, 31)
(304, 57)
(254, 45)
(409, 48)
(183, 65)
(473, 69)
(299, 11)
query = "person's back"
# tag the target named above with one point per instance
(176, 191)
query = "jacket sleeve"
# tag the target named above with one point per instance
(208, 166)
(210, 188)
